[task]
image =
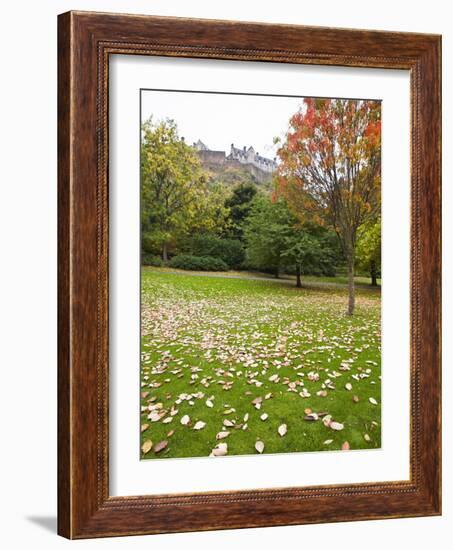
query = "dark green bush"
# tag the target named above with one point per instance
(231, 251)
(198, 263)
(151, 259)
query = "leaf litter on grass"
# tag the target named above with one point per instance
(260, 356)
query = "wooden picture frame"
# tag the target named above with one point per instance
(85, 42)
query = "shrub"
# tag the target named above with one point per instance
(231, 251)
(198, 263)
(151, 259)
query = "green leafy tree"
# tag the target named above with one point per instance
(231, 251)
(239, 205)
(265, 233)
(369, 249)
(172, 185)
(277, 240)
(301, 248)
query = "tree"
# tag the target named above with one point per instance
(265, 232)
(239, 205)
(172, 184)
(369, 249)
(276, 239)
(330, 169)
(299, 249)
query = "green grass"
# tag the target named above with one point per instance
(222, 339)
(360, 281)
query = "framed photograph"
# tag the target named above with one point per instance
(249, 275)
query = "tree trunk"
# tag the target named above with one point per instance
(351, 285)
(277, 272)
(164, 252)
(298, 279)
(373, 273)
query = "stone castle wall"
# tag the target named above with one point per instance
(261, 169)
(212, 157)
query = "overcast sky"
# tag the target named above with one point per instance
(221, 119)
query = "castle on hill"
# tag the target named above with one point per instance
(260, 167)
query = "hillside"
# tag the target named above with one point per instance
(233, 174)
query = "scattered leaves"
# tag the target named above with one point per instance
(147, 446)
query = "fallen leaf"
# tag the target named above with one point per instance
(209, 404)
(185, 420)
(144, 427)
(336, 426)
(147, 446)
(264, 416)
(328, 441)
(327, 420)
(308, 411)
(219, 450)
(199, 425)
(355, 398)
(366, 437)
(345, 446)
(282, 429)
(373, 401)
(348, 386)
(170, 433)
(259, 446)
(160, 446)
(154, 416)
(222, 435)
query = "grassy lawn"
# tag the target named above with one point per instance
(224, 352)
(339, 280)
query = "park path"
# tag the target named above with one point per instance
(281, 280)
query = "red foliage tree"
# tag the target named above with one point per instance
(330, 168)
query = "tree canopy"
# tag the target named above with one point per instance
(173, 185)
(369, 249)
(329, 168)
(277, 240)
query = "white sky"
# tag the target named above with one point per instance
(222, 119)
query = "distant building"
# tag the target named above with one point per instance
(250, 156)
(208, 156)
(260, 167)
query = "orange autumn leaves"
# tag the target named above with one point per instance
(330, 169)
(330, 162)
